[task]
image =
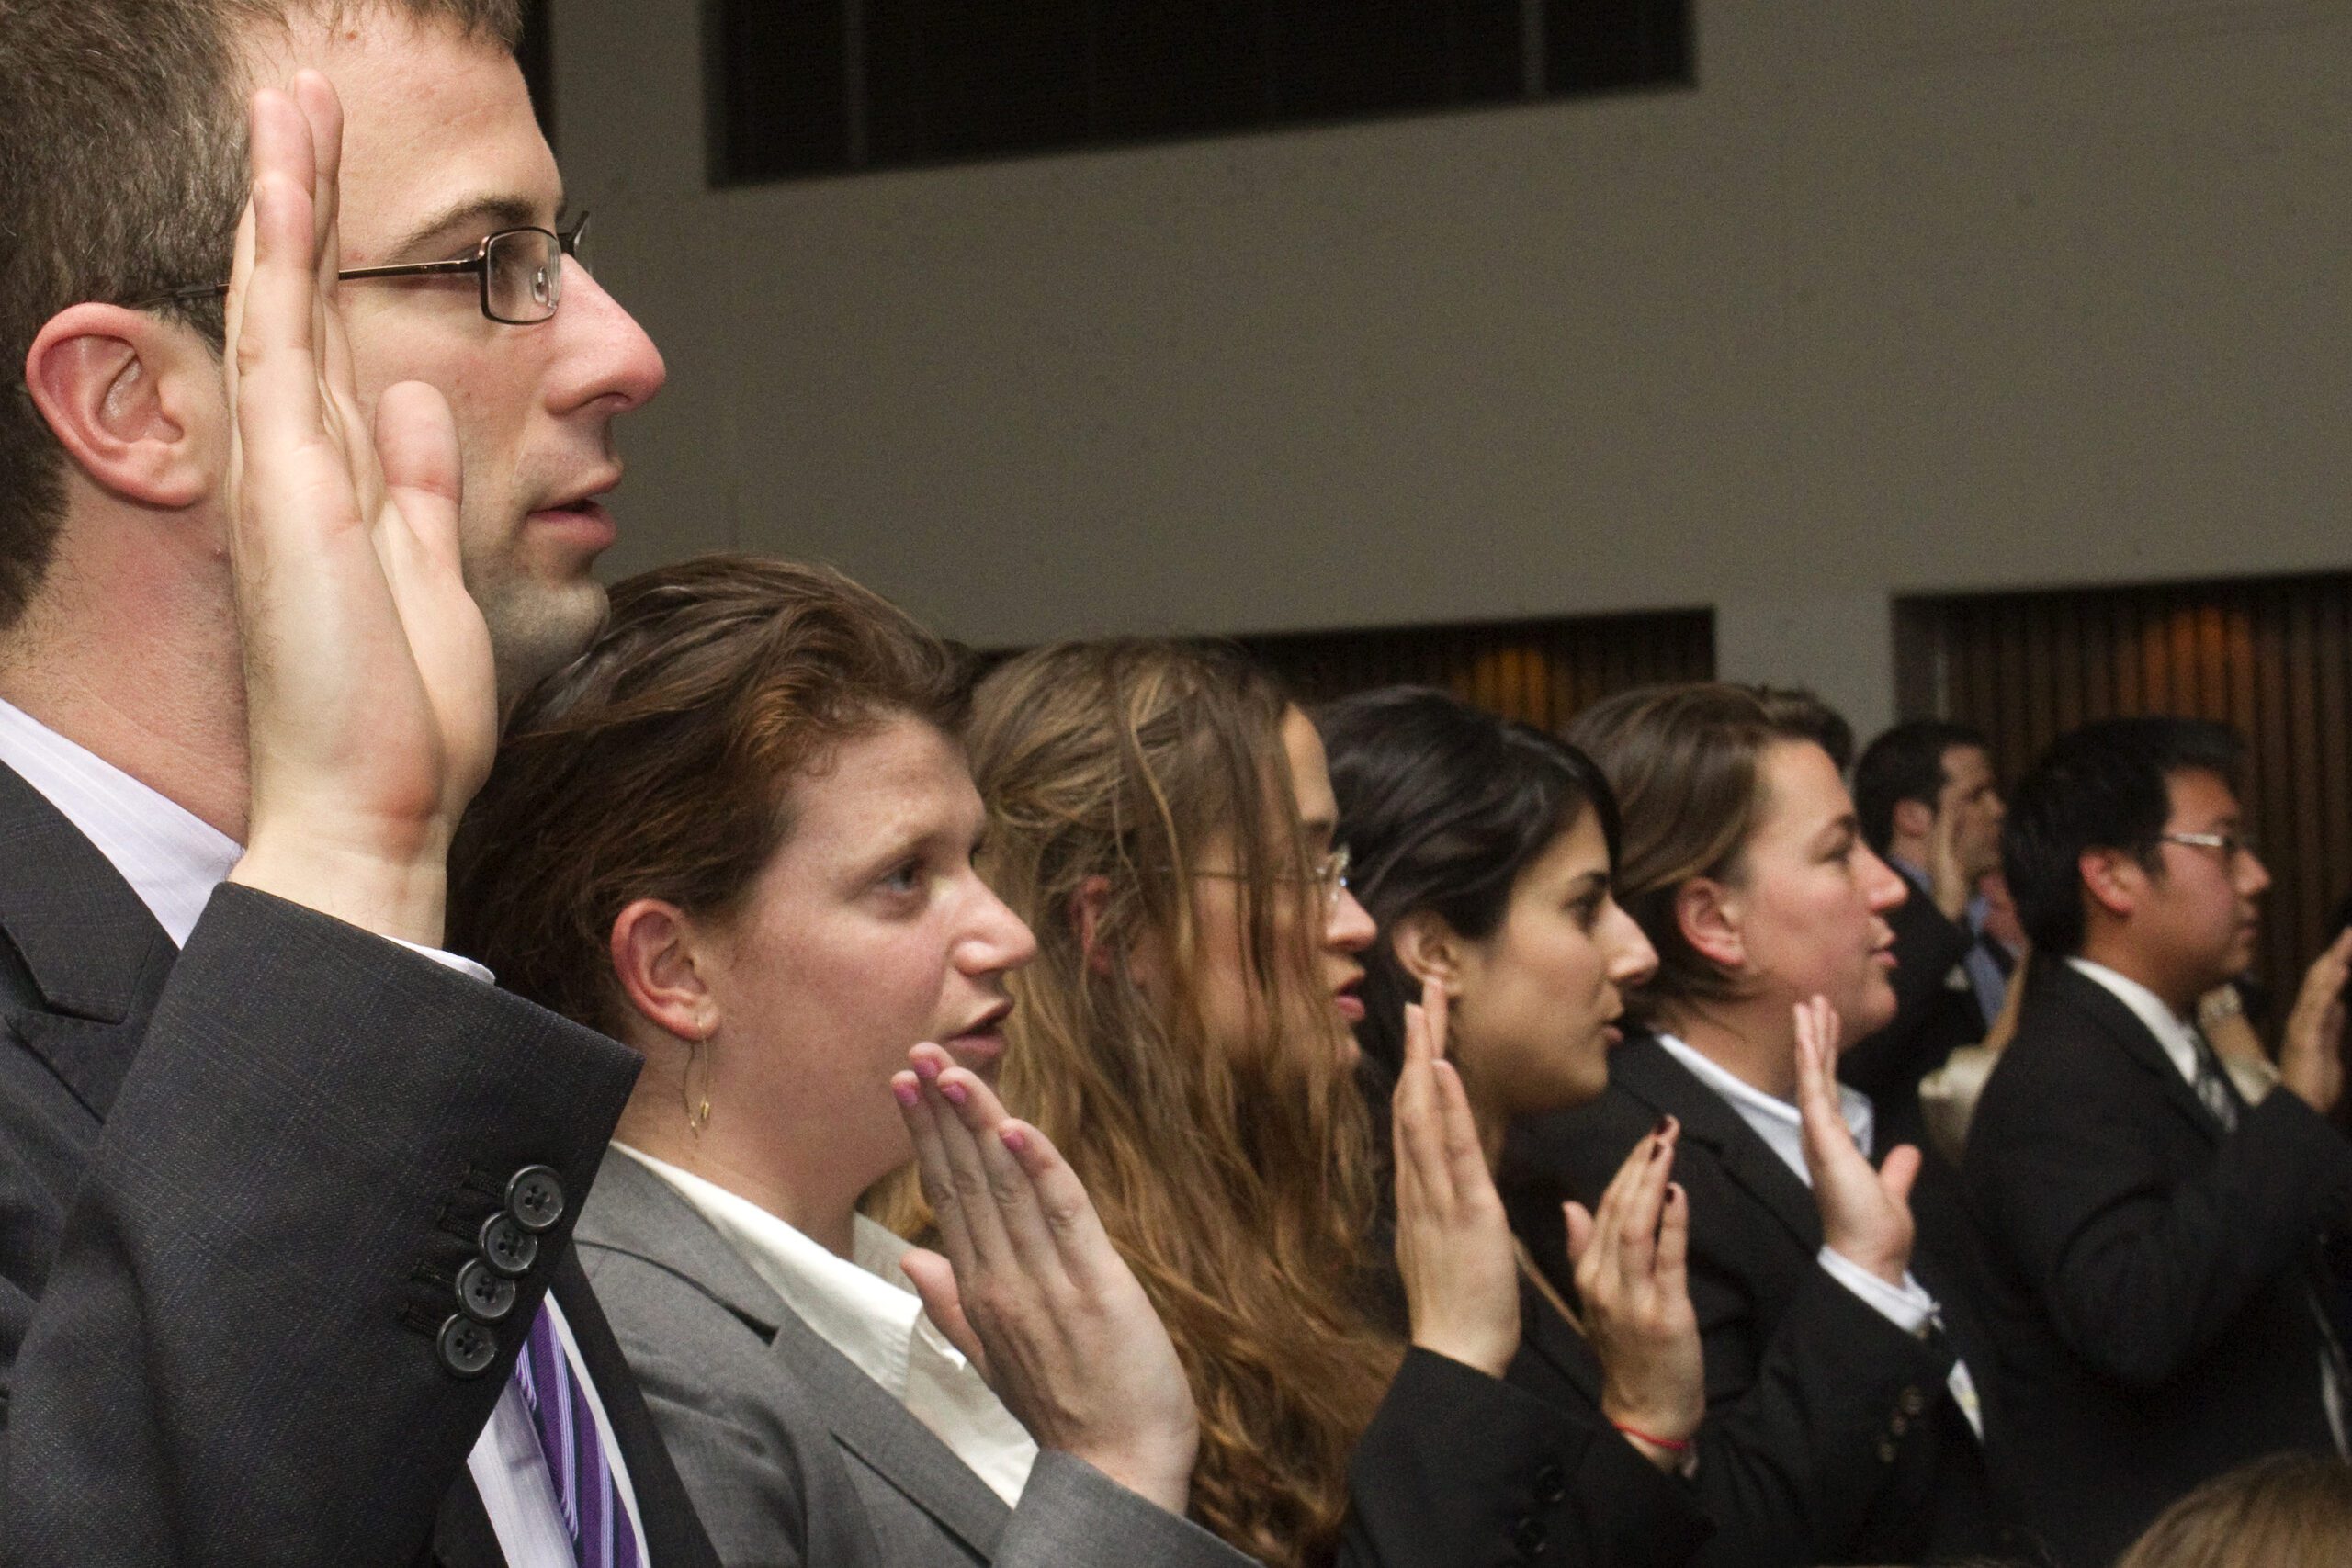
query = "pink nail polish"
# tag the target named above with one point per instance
(906, 1093)
(956, 1093)
(1014, 1139)
(926, 1068)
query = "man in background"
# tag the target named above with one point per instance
(2151, 1241)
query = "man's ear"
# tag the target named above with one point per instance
(1914, 818)
(659, 958)
(1707, 913)
(1086, 906)
(135, 400)
(2113, 880)
(1428, 948)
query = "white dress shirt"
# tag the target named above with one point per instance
(867, 1309)
(2178, 1036)
(1781, 1126)
(173, 860)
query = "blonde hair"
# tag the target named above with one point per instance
(2282, 1511)
(1235, 1178)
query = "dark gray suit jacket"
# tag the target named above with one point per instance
(235, 1182)
(795, 1456)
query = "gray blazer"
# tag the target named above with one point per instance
(792, 1454)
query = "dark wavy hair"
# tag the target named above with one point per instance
(1442, 806)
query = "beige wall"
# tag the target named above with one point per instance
(1907, 295)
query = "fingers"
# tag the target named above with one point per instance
(933, 1278)
(1899, 1170)
(276, 375)
(1637, 1221)
(1465, 1161)
(416, 443)
(1068, 1213)
(1579, 1222)
(1420, 1123)
(1003, 1211)
(1671, 1271)
(921, 1112)
(1435, 1005)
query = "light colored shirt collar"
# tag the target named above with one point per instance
(2174, 1033)
(1772, 1119)
(172, 858)
(867, 1310)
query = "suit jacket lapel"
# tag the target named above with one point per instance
(1643, 1067)
(94, 958)
(2120, 1023)
(640, 1213)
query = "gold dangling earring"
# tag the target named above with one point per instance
(697, 1107)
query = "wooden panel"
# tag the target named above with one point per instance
(2271, 657)
(1542, 672)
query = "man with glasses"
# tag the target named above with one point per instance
(2155, 1287)
(286, 1194)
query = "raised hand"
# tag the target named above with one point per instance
(1630, 1256)
(1865, 1213)
(1032, 1290)
(2311, 1058)
(1950, 882)
(1453, 1242)
(371, 707)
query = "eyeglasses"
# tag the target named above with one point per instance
(2232, 844)
(521, 272)
(1329, 873)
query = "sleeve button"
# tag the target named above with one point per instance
(1551, 1484)
(486, 1294)
(534, 1197)
(1886, 1450)
(507, 1247)
(466, 1347)
(1912, 1402)
(1530, 1539)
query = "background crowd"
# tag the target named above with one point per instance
(497, 1073)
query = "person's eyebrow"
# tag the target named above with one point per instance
(1848, 825)
(469, 219)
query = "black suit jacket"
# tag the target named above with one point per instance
(1831, 1434)
(2148, 1277)
(236, 1182)
(1459, 1468)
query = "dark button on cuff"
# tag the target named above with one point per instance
(1530, 1539)
(1886, 1450)
(1551, 1484)
(534, 1197)
(507, 1247)
(466, 1347)
(487, 1296)
(1913, 1402)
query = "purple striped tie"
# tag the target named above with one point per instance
(602, 1536)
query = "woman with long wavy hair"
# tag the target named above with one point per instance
(1163, 819)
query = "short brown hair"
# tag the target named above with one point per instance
(122, 173)
(2288, 1509)
(658, 764)
(1683, 761)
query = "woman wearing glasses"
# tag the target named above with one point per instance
(1164, 820)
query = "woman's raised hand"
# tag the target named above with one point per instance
(1629, 1254)
(1453, 1243)
(1865, 1212)
(370, 696)
(1032, 1290)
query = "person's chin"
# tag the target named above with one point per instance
(1873, 1010)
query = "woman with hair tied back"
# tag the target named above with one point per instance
(737, 834)
(1163, 818)
(1842, 1424)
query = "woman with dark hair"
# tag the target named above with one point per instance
(737, 834)
(1844, 1420)
(1163, 818)
(1486, 850)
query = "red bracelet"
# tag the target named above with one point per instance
(1671, 1445)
